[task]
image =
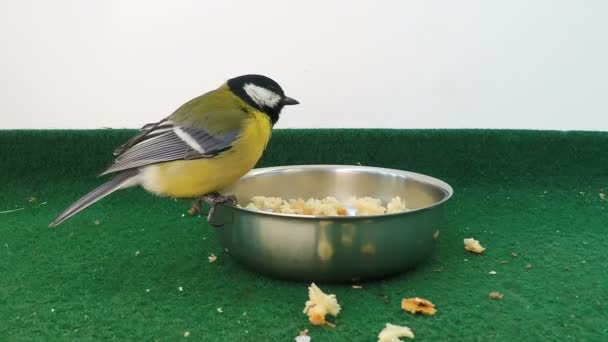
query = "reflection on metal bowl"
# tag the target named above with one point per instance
(340, 248)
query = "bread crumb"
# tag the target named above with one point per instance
(391, 333)
(32, 199)
(303, 336)
(180, 289)
(96, 222)
(473, 245)
(396, 205)
(492, 272)
(328, 206)
(415, 305)
(212, 258)
(220, 310)
(186, 333)
(495, 295)
(357, 286)
(602, 196)
(528, 266)
(136, 253)
(262, 203)
(319, 305)
(514, 254)
(436, 235)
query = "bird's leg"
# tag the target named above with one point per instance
(197, 207)
(214, 199)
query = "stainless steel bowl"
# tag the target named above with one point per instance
(351, 248)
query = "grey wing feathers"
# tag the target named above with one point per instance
(145, 131)
(166, 142)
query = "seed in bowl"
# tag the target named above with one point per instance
(328, 206)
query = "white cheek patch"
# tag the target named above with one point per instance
(262, 96)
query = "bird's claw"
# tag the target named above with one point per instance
(214, 199)
(197, 207)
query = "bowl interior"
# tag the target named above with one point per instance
(318, 181)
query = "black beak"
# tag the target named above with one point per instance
(288, 101)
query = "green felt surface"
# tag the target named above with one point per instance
(535, 193)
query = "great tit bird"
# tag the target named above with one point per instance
(206, 145)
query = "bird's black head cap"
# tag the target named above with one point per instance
(261, 93)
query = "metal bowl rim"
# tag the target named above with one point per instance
(416, 176)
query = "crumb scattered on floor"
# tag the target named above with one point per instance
(212, 258)
(492, 272)
(303, 336)
(97, 222)
(495, 295)
(436, 235)
(186, 333)
(473, 245)
(220, 310)
(357, 286)
(602, 196)
(319, 305)
(528, 266)
(514, 254)
(392, 333)
(416, 304)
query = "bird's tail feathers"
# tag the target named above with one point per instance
(121, 180)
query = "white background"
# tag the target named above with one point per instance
(398, 64)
